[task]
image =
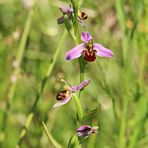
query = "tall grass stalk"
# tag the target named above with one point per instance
(126, 65)
(50, 138)
(40, 91)
(50, 122)
(125, 98)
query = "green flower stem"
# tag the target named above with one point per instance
(76, 25)
(82, 63)
(16, 71)
(69, 27)
(50, 138)
(40, 91)
(91, 142)
(78, 106)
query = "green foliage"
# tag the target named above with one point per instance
(32, 61)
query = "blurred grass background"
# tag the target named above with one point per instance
(118, 25)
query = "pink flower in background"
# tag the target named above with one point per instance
(65, 95)
(88, 49)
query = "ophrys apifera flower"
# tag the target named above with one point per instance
(86, 130)
(68, 10)
(65, 95)
(88, 49)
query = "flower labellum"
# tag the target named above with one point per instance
(86, 130)
(82, 16)
(65, 95)
(62, 95)
(88, 49)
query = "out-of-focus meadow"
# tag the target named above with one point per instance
(117, 98)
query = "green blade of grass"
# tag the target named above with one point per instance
(50, 137)
(41, 88)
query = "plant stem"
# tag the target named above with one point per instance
(40, 91)
(76, 26)
(78, 106)
(91, 142)
(82, 68)
(82, 63)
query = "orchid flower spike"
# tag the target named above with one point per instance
(88, 49)
(65, 95)
(68, 10)
(86, 130)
